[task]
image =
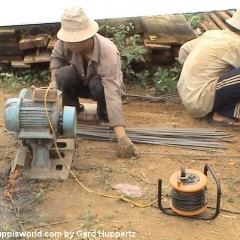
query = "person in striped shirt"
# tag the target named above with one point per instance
(209, 84)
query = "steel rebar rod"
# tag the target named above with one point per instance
(199, 139)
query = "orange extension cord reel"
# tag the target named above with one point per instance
(188, 196)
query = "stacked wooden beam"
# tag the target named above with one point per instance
(21, 46)
(164, 35)
(215, 20)
(161, 36)
(9, 48)
(35, 49)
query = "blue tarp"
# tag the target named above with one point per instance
(24, 12)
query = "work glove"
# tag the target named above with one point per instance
(126, 149)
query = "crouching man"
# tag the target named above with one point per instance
(85, 64)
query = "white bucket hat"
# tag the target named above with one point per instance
(76, 26)
(234, 21)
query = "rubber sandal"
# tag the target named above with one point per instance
(103, 122)
(226, 122)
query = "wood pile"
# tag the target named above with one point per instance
(215, 21)
(162, 36)
(9, 48)
(22, 46)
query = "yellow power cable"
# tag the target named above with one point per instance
(75, 177)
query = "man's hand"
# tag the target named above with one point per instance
(126, 149)
(53, 85)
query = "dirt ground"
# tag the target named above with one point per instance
(59, 208)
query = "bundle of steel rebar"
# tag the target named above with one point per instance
(171, 97)
(199, 139)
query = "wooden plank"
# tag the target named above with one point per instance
(9, 58)
(6, 38)
(10, 48)
(52, 43)
(223, 15)
(34, 42)
(217, 20)
(212, 24)
(168, 29)
(205, 26)
(155, 45)
(8, 34)
(39, 55)
(7, 31)
(20, 64)
(198, 31)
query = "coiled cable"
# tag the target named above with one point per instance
(188, 201)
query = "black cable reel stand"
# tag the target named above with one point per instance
(188, 196)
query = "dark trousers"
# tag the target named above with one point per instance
(71, 85)
(227, 97)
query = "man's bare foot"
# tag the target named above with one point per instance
(103, 124)
(219, 120)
